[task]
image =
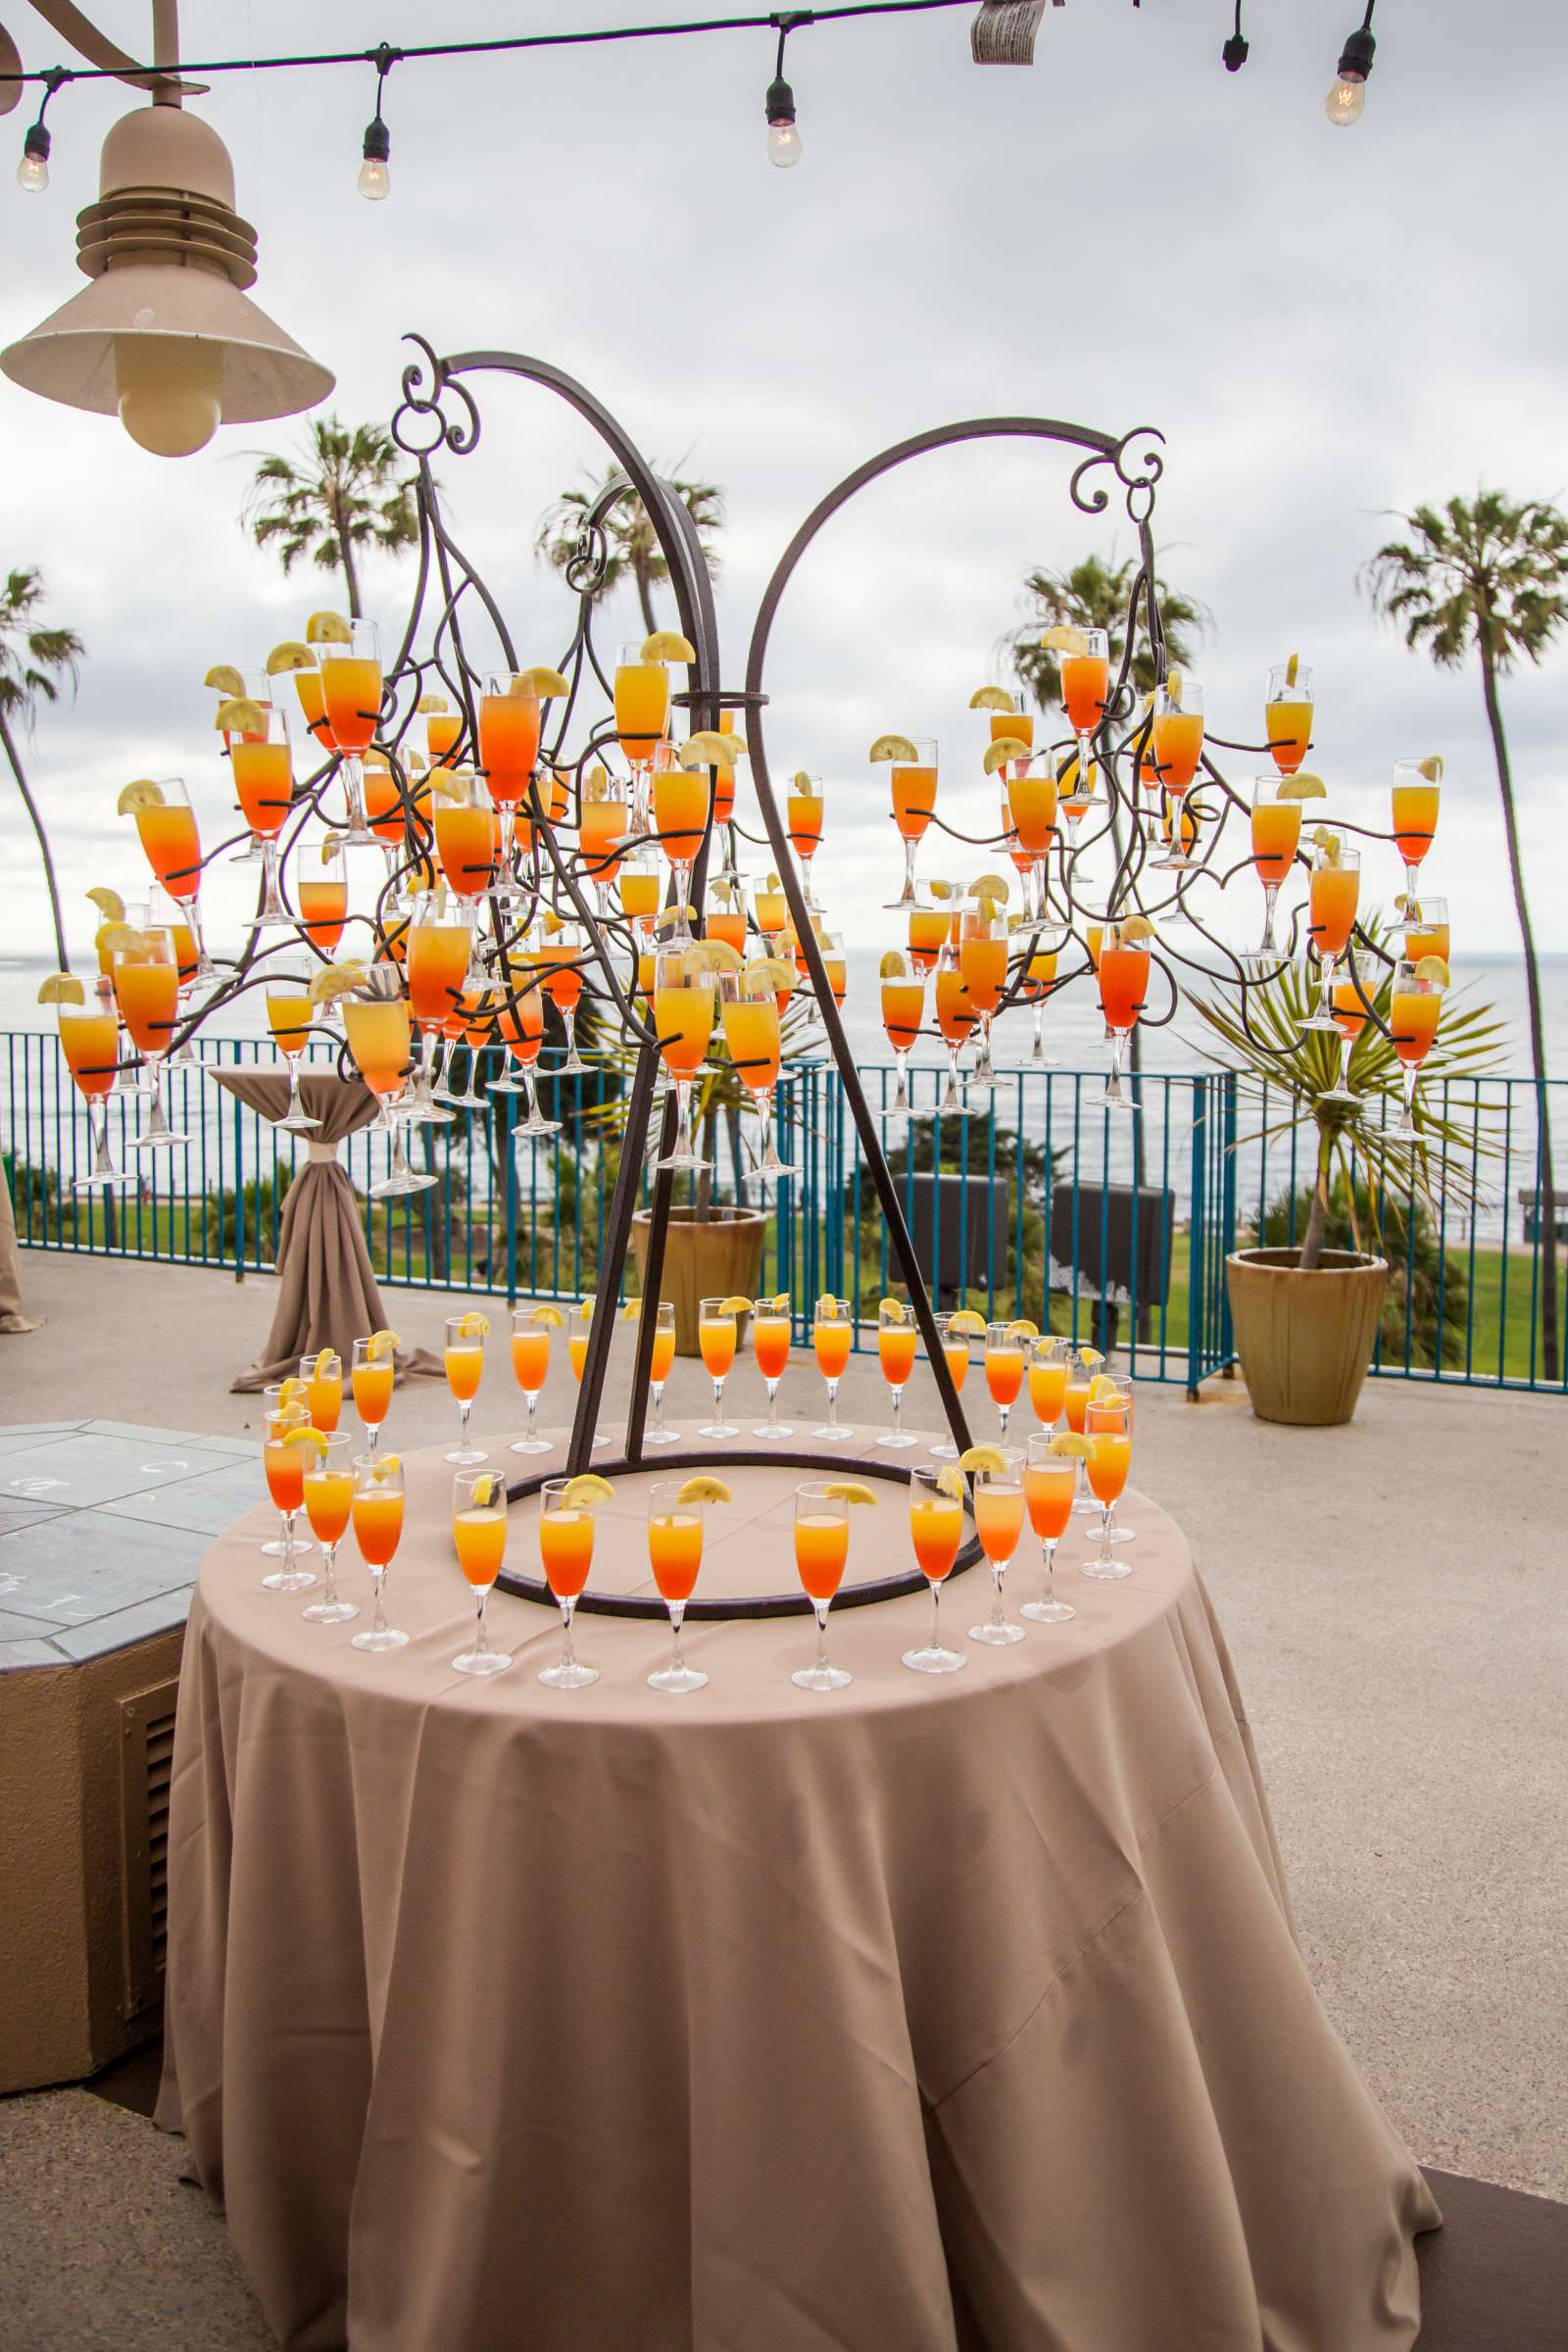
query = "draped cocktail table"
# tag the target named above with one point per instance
(941, 2012)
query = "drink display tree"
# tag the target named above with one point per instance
(522, 759)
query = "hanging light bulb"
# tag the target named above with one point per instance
(33, 172)
(783, 139)
(375, 178)
(1345, 102)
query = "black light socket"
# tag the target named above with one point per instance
(378, 142)
(1235, 53)
(1356, 58)
(779, 104)
(37, 141)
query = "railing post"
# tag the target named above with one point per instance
(1227, 1235)
(1198, 1245)
(239, 1191)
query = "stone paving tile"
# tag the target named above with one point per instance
(138, 1624)
(26, 1514)
(80, 1471)
(182, 1441)
(206, 1506)
(85, 1564)
(19, 1434)
(29, 1653)
(23, 1629)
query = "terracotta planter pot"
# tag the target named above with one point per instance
(1304, 1340)
(722, 1258)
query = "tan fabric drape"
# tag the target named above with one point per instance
(12, 1318)
(940, 2015)
(330, 1297)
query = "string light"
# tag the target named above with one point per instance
(1234, 51)
(374, 182)
(783, 139)
(1343, 103)
(33, 172)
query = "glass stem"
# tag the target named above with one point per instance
(1002, 1410)
(98, 1130)
(832, 1404)
(481, 1633)
(658, 1409)
(569, 1655)
(288, 1518)
(353, 792)
(898, 1412)
(293, 1088)
(1048, 1552)
(463, 1410)
(936, 1614)
(719, 1399)
(1271, 892)
(379, 1580)
(901, 1097)
(677, 1610)
(912, 849)
(821, 1636)
(1326, 979)
(996, 1592)
(772, 1404)
(531, 1399)
(328, 1573)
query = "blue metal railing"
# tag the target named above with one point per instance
(1041, 1191)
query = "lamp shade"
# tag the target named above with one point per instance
(164, 334)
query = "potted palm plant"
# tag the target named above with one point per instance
(1305, 1316)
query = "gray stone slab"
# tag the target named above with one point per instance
(181, 1441)
(117, 1631)
(16, 1655)
(25, 1514)
(87, 1564)
(23, 1629)
(14, 1434)
(206, 1506)
(80, 1471)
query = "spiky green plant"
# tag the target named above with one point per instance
(1287, 1072)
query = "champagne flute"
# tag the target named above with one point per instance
(903, 1011)
(289, 1015)
(936, 1530)
(1050, 1484)
(1287, 714)
(351, 691)
(1085, 671)
(377, 1520)
(284, 1423)
(566, 1550)
(329, 1500)
(322, 1371)
(1004, 1368)
(1414, 1011)
(675, 1555)
(683, 1019)
(716, 1334)
(895, 1348)
(771, 1342)
(953, 1333)
(480, 1535)
(1333, 893)
(89, 1038)
(1122, 973)
(531, 1327)
(999, 1508)
(464, 1359)
(1108, 1431)
(1356, 986)
(146, 976)
(914, 801)
(822, 1550)
(372, 1373)
(832, 1338)
(659, 1371)
(1276, 837)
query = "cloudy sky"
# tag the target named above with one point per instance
(1325, 324)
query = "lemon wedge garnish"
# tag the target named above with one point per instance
(483, 1490)
(892, 746)
(893, 966)
(940, 890)
(328, 628)
(380, 1343)
(473, 1325)
(992, 886)
(705, 749)
(950, 1483)
(306, 1437)
(225, 678)
(966, 1323)
(667, 644)
(430, 702)
(335, 980)
(1433, 969)
(829, 1309)
(108, 902)
(1328, 843)
(803, 786)
(290, 654)
(1090, 1356)
(1291, 667)
(385, 1465)
(328, 1362)
(1430, 768)
(631, 1312)
(1076, 1448)
(849, 1490)
(735, 1307)
(290, 1392)
(546, 683)
(668, 915)
(61, 988)
(723, 956)
(1003, 751)
(549, 1318)
(1064, 638)
(1173, 688)
(704, 1489)
(894, 1310)
(116, 939)
(1302, 787)
(143, 794)
(581, 1493)
(238, 716)
(990, 698)
(1023, 1329)
(1103, 1384)
(1137, 927)
(773, 969)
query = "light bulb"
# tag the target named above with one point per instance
(169, 391)
(32, 173)
(783, 146)
(1344, 101)
(376, 179)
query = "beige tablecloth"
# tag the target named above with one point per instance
(329, 1295)
(957, 2015)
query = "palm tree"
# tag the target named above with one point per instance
(1094, 595)
(1489, 577)
(35, 661)
(343, 496)
(634, 552)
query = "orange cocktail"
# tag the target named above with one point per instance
(752, 1034)
(312, 704)
(89, 1038)
(378, 1527)
(328, 1498)
(604, 822)
(148, 996)
(351, 688)
(481, 1541)
(378, 1032)
(902, 1011)
(264, 783)
(1413, 1015)
(1032, 806)
(372, 1381)
(322, 1374)
(831, 1343)
(1123, 976)
(681, 800)
(821, 1551)
(566, 1548)
(1084, 689)
(1276, 837)
(1050, 1484)
(642, 704)
(1415, 821)
(465, 843)
(928, 933)
(530, 1360)
(895, 1348)
(509, 741)
(285, 1466)
(936, 1528)
(324, 910)
(1333, 896)
(683, 1014)
(1178, 745)
(983, 963)
(1048, 1382)
(1288, 721)
(675, 1551)
(914, 798)
(1003, 1361)
(172, 845)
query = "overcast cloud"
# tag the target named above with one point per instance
(1325, 324)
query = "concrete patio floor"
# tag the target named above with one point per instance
(1392, 1595)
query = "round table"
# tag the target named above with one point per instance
(936, 2013)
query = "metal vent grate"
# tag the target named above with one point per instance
(147, 1727)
